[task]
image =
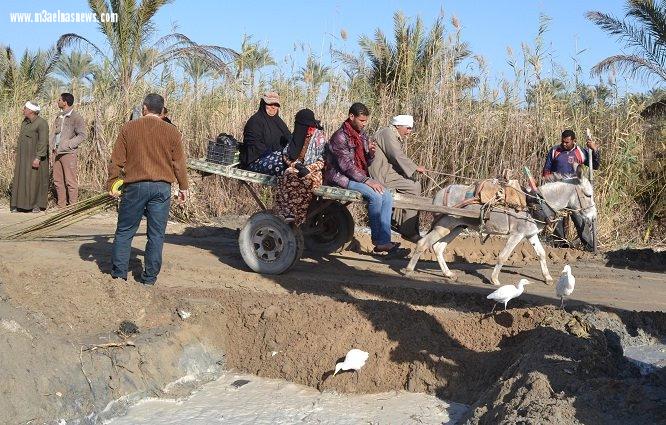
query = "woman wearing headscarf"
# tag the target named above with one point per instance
(264, 137)
(304, 158)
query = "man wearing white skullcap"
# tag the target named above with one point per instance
(31, 173)
(394, 169)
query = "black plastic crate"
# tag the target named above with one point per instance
(223, 150)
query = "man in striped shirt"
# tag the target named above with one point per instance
(149, 152)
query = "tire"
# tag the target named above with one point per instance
(330, 230)
(269, 245)
(300, 245)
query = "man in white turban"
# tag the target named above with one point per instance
(394, 169)
(31, 173)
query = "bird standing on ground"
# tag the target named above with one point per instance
(507, 292)
(354, 360)
(565, 284)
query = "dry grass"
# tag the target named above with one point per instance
(475, 135)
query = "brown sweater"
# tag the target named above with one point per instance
(148, 149)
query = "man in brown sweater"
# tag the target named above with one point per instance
(149, 152)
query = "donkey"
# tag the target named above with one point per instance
(571, 193)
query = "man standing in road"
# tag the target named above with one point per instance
(150, 153)
(31, 173)
(69, 130)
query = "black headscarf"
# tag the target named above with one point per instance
(304, 119)
(263, 134)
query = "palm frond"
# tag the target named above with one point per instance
(651, 15)
(645, 34)
(635, 65)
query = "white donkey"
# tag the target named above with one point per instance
(574, 194)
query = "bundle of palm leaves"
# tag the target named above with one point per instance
(42, 226)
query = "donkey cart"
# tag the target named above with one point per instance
(269, 245)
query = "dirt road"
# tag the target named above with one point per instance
(425, 333)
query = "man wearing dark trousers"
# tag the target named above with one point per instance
(150, 153)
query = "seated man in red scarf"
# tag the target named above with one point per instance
(348, 155)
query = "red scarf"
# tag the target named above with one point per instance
(359, 150)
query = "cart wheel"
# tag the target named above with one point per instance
(329, 230)
(268, 245)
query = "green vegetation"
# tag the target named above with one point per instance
(467, 121)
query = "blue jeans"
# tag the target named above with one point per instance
(380, 207)
(152, 199)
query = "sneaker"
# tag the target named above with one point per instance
(36, 210)
(13, 210)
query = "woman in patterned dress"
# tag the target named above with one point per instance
(304, 160)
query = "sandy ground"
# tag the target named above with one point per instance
(534, 363)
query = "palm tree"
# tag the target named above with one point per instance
(196, 70)
(104, 78)
(643, 30)
(355, 68)
(314, 75)
(75, 69)
(131, 58)
(251, 58)
(396, 67)
(26, 78)
(548, 89)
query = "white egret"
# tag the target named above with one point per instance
(565, 284)
(354, 360)
(507, 292)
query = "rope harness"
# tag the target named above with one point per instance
(538, 207)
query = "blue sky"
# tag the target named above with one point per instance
(292, 27)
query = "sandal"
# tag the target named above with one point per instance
(391, 250)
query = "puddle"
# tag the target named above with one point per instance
(248, 399)
(649, 358)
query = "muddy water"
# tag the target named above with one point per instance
(649, 358)
(248, 399)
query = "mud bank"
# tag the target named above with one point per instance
(536, 364)
(59, 311)
(48, 377)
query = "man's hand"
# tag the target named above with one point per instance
(375, 185)
(182, 196)
(420, 169)
(302, 170)
(114, 193)
(35, 163)
(372, 147)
